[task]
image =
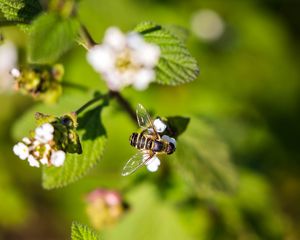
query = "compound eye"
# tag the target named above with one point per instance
(171, 148)
(66, 121)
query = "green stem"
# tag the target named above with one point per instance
(124, 104)
(66, 84)
(89, 103)
(84, 33)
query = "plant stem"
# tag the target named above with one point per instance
(74, 86)
(87, 37)
(123, 103)
(89, 103)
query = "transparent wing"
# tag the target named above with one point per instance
(138, 160)
(143, 117)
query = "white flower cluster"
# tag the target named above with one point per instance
(153, 163)
(38, 150)
(124, 60)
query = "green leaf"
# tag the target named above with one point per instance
(21, 11)
(176, 65)
(90, 130)
(83, 232)
(204, 161)
(52, 35)
(178, 31)
(4, 22)
(177, 125)
(93, 140)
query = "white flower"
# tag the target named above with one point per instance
(44, 160)
(169, 139)
(26, 140)
(145, 53)
(124, 60)
(21, 150)
(44, 133)
(159, 125)
(153, 164)
(33, 162)
(58, 158)
(15, 72)
(8, 60)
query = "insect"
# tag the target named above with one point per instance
(148, 142)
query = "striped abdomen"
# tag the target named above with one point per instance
(139, 141)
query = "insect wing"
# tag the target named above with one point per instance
(143, 117)
(138, 160)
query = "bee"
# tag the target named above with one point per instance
(148, 142)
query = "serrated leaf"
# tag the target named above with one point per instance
(176, 64)
(180, 32)
(204, 160)
(69, 102)
(52, 35)
(5, 22)
(93, 140)
(21, 11)
(83, 232)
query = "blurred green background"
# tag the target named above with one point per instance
(244, 109)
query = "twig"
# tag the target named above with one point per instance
(123, 103)
(86, 105)
(87, 37)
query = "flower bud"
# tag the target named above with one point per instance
(40, 82)
(104, 207)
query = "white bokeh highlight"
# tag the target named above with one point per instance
(8, 61)
(207, 25)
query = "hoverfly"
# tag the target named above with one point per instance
(148, 142)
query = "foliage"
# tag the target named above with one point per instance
(22, 11)
(176, 65)
(57, 35)
(204, 160)
(234, 174)
(93, 140)
(83, 232)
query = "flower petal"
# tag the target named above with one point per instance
(147, 54)
(115, 39)
(47, 127)
(44, 161)
(58, 158)
(44, 133)
(33, 162)
(26, 140)
(21, 150)
(153, 164)
(159, 125)
(15, 72)
(135, 40)
(102, 58)
(142, 78)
